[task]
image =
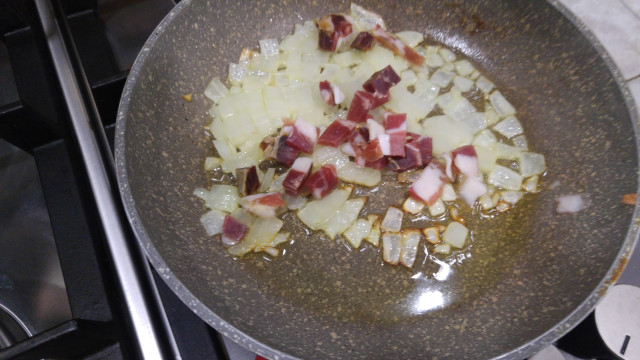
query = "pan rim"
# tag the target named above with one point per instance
(243, 339)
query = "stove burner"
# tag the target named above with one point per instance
(12, 330)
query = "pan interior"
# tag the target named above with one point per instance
(321, 300)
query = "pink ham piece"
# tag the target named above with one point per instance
(397, 46)
(360, 105)
(378, 164)
(303, 137)
(381, 81)
(425, 145)
(465, 160)
(371, 152)
(363, 41)
(411, 159)
(331, 93)
(263, 205)
(359, 139)
(333, 28)
(395, 123)
(285, 154)
(392, 144)
(337, 133)
(471, 189)
(321, 182)
(298, 173)
(428, 186)
(232, 231)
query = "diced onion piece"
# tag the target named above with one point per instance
(374, 235)
(455, 234)
(365, 19)
(531, 164)
(484, 84)
(220, 197)
(509, 127)
(391, 247)
(490, 115)
(443, 248)
(447, 133)
(448, 193)
(261, 232)
(476, 121)
(223, 148)
(212, 222)
(447, 55)
(521, 142)
(501, 105)
(409, 249)
(434, 60)
(294, 202)
(237, 73)
(392, 220)
(413, 206)
(267, 180)
(508, 152)
(216, 90)
(357, 232)
(317, 212)
(511, 197)
(431, 234)
(531, 184)
(269, 250)
(485, 138)
(438, 208)
(344, 217)
(410, 38)
(487, 202)
(505, 178)
(269, 47)
(364, 176)
(211, 163)
(276, 184)
(464, 67)
(570, 203)
(442, 78)
(503, 206)
(486, 158)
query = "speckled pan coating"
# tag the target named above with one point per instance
(524, 285)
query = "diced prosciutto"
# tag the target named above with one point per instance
(395, 123)
(371, 152)
(298, 173)
(303, 137)
(360, 105)
(472, 189)
(337, 133)
(397, 46)
(428, 186)
(232, 231)
(411, 159)
(285, 154)
(263, 205)
(332, 29)
(248, 181)
(378, 164)
(381, 81)
(375, 128)
(359, 139)
(392, 144)
(425, 145)
(411, 136)
(321, 182)
(364, 41)
(331, 93)
(465, 160)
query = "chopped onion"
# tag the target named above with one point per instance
(365, 19)
(476, 121)
(507, 152)
(472, 189)
(280, 238)
(447, 55)
(521, 142)
(485, 138)
(448, 193)
(486, 158)
(411, 38)
(344, 217)
(455, 234)
(392, 220)
(505, 178)
(220, 197)
(431, 234)
(316, 213)
(374, 235)
(442, 78)
(501, 105)
(531, 164)
(267, 180)
(413, 206)
(487, 202)
(294, 202)
(464, 67)
(269, 47)
(391, 247)
(261, 232)
(570, 203)
(276, 184)
(531, 184)
(212, 222)
(447, 133)
(362, 176)
(409, 249)
(438, 208)
(484, 84)
(511, 197)
(434, 60)
(223, 148)
(509, 127)
(357, 232)
(443, 248)
(211, 163)
(216, 90)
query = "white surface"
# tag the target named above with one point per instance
(618, 316)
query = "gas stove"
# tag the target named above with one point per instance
(73, 281)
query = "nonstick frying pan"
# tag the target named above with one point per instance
(528, 276)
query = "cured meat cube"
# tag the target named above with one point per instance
(332, 29)
(327, 93)
(392, 144)
(428, 186)
(232, 231)
(397, 46)
(394, 123)
(303, 136)
(381, 81)
(337, 133)
(465, 160)
(425, 145)
(248, 181)
(363, 41)
(298, 173)
(359, 139)
(263, 205)
(378, 164)
(360, 105)
(285, 154)
(411, 159)
(321, 182)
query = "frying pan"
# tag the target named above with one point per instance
(529, 275)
